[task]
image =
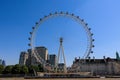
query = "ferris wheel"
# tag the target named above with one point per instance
(84, 25)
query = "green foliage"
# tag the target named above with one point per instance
(1, 69)
(24, 69)
(7, 70)
(36, 68)
(33, 68)
(16, 69)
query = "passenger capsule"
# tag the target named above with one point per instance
(86, 24)
(50, 14)
(66, 12)
(78, 17)
(82, 20)
(55, 12)
(91, 34)
(89, 28)
(33, 27)
(72, 14)
(40, 19)
(91, 51)
(29, 38)
(61, 12)
(29, 44)
(36, 23)
(45, 16)
(30, 32)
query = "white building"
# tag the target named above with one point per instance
(97, 66)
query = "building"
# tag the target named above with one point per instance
(61, 67)
(42, 52)
(27, 58)
(53, 60)
(2, 62)
(105, 66)
(23, 58)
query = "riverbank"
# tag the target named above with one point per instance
(102, 78)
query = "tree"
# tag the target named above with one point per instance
(33, 68)
(16, 69)
(8, 70)
(1, 69)
(24, 69)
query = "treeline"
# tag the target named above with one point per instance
(17, 69)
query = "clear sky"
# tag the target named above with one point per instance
(18, 16)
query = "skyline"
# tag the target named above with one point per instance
(18, 17)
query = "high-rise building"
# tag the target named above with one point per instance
(42, 52)
(53, 59)
(23, 58)
(0, 61)
(3, 63)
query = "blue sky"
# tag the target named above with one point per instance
(18, 16)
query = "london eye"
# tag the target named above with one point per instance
(80, 21)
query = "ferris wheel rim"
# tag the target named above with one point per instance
(66, 14)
